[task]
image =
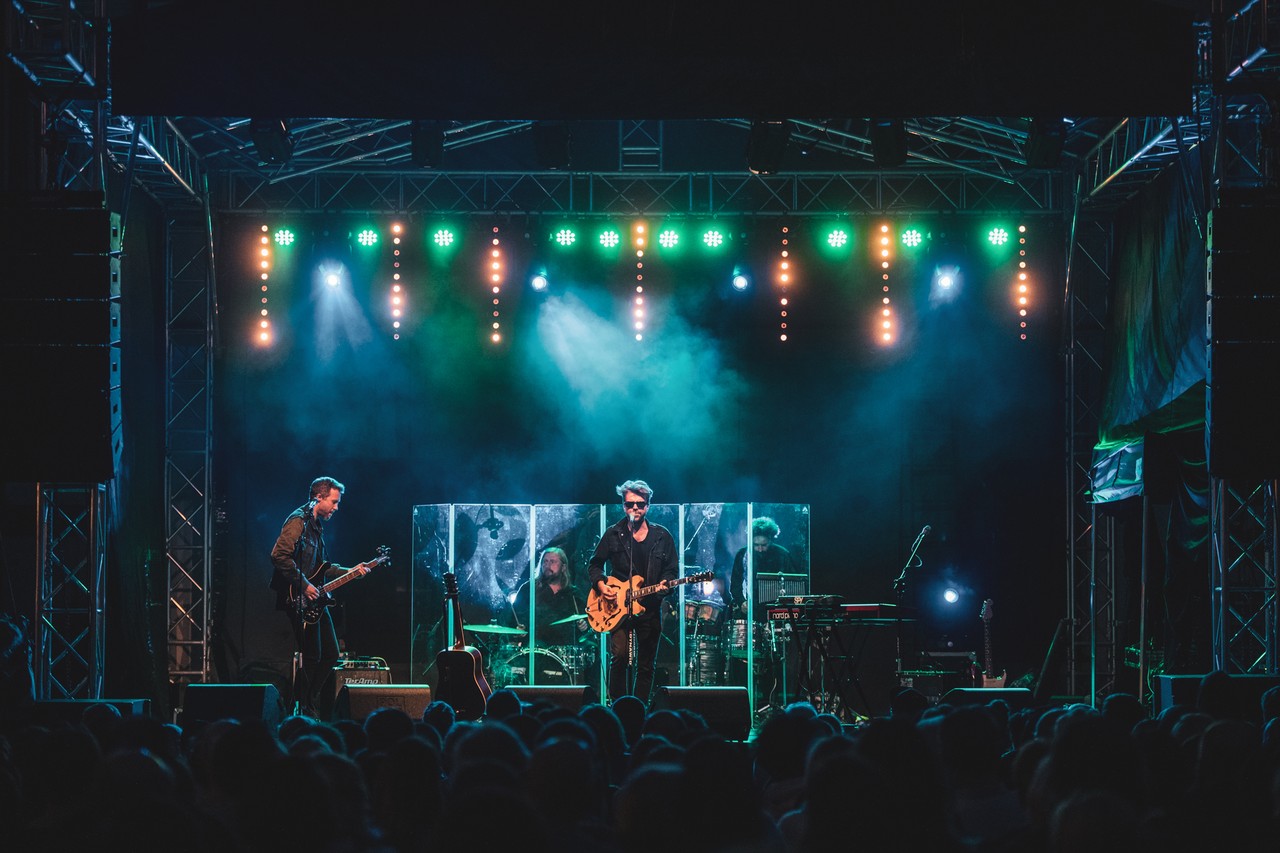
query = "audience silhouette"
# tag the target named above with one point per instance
(616, 778)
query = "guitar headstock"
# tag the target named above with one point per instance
(702, 577)
(450, 585)
(986, 610)
(384, 556)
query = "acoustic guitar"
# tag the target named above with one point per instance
(604, 615)
(988, 677)
(308, 610)
(461, 667)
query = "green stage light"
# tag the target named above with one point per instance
(610, 238)
(443, 237)
(669, 238)
(284, 237)
(713, 238)
(912, 238)
(367, 237)
(564, 237)
(832, 240)
(997, 236)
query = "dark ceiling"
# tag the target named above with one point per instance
(659, 60)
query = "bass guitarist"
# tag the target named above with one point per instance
(634, 547)
(298, 559)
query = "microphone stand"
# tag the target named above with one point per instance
(899, 589)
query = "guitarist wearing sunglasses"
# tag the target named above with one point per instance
(634, 548)
(300, 569)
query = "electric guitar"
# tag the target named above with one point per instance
(309, 610)
(462, 683)
(988, 677)
(604, 615)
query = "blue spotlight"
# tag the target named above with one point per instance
(740, 280)
(951, 595)
(948, 281)
(539, 281)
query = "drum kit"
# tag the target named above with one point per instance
(714, 641)
(510, 661)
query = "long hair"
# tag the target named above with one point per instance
(564, 561)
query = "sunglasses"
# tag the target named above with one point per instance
(635, 504)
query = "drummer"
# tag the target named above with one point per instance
(768, 557)
(559, 608)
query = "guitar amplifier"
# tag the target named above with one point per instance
(359, 671)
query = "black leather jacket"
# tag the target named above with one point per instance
(300, 546)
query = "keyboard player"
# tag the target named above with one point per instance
(767, 557)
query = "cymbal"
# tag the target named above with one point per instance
(493, 629)
(574, 618)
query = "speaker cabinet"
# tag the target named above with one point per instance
(727, 710)
(1246, 692)
(204, 703)
(51, 711)
(358, 701)
(568, 696)
(1017, 698)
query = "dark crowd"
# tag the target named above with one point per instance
(539, 776)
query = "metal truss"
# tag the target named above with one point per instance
(1243, 515)
(1092, 655)
(1243, 560)
(188, 447)
(70, 627)
(632, 194)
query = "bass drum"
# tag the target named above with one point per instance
(548, 668)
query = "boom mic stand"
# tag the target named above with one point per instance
(899, 589)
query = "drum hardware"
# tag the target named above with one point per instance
(494, 629)
(577, 617)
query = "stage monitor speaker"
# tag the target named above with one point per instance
(569, 696)
(1017, 698)
(358, 701)
(204, 703)
(727, 710)
(51, 711)
(1247, 690)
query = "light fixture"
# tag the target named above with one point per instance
(1044, 143)
(766, 145)
(272, 139)
(426, 144)
(888, 141)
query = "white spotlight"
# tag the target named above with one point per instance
(539, 282)
(740, 281)
(950, 595)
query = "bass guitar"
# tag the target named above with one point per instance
(988, 677)
(603, 614)
(461, 667)
(309, 610)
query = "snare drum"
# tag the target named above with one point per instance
(704, 617)
(742, 632)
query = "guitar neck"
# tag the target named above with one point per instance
(657, 587)
(344, 578)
